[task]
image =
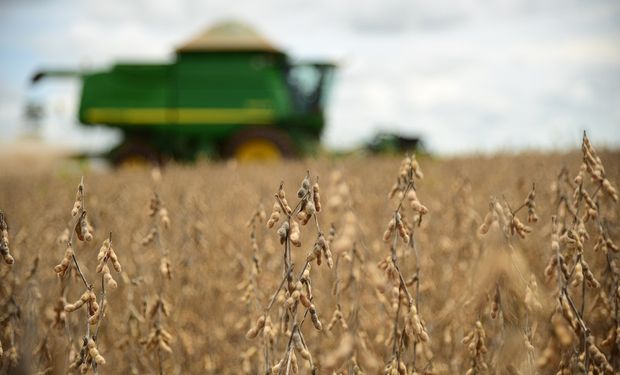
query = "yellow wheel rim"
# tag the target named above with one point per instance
(135, 162)
(257, 149)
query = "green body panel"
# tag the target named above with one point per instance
(197, 102)
(233, 80)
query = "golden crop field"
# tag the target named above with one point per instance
(503, 264)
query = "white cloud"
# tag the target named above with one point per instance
(468, 75)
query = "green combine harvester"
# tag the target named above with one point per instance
(229, 93)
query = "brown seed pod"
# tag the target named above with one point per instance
(304, 188)
(4, 240)
(495, 304)
(282, 196)
(302, 216)
(577, 275)
(275, 215)
(530, 203)
(414, 202)
(106, 252)
(414, 328)
(275, 370)
(257, 328)
(94, 353)
(83, 229)
(589, 276)
(283, 232)
(154, 205)
(323, 245)
(294, 364)
(103, 252)
(315, 318)
(269, 333)
(165, 219)
(531, 300)
(390, 229)
(516, 226)
(305, 300)
(97, 315)
(107, 277)
(598, 357)
(310, 208)
(79, 197)
(114, 259)
(84, 298)
(300, 347)
(62, 268)
(402, 228)
(610, 190)
(489, 219)
(316, 196)
(295, 234)
(337, 317)
(165, 268)
(150, 237)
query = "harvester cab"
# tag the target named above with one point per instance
(309, 84)
(230, 93)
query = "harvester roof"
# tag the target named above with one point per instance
(228, 36)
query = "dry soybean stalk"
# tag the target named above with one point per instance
(414, 329)
(4, 240)
(159, 338)
(8, 303)
(297, 289)
(89, 356)
(568, 263)
(251, 291)
(476, 346)
(503, 290)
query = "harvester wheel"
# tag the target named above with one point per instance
(134, 154)
(260, 144)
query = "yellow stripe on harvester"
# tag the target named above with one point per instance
(153, 116)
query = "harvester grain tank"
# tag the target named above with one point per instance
(230, 92)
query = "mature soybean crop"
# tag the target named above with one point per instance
(478, 265)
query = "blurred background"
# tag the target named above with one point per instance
(464, 76)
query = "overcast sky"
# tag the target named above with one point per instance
(466, 75)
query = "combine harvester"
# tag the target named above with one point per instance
(229, 93)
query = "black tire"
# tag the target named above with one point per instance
(132, 152)
(275, 136)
